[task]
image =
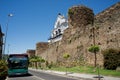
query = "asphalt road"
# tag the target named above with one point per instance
(35, 75)
(24, 77)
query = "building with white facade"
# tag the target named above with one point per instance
(60, 25)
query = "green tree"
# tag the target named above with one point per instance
(94, 49)
(36, 59)
(66, 56)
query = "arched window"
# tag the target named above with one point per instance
(56, 32)
(59, 30)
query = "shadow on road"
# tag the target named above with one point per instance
(24, 75)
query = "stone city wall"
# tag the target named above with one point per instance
(79, 36)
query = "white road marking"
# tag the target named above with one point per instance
(38, 78)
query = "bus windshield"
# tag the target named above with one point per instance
(18, 62)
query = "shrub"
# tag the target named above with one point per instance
(94, 49)
(49, 65)
(66, 55)
(111, 58)
(70, 12)
(3, 69)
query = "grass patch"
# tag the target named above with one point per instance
(88, 70)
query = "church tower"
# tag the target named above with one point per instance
(60, 25)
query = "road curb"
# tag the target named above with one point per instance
(78, 75)
(63, 74)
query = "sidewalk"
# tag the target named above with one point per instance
(79, 75)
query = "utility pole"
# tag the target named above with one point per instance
(9, 15)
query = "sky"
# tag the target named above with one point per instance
(33, 20)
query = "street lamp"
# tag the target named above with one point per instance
(9, 15)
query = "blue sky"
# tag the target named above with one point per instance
(33, 20)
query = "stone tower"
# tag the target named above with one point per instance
(41, 47)
(31, 53)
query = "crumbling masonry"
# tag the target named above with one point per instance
(79, 36)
